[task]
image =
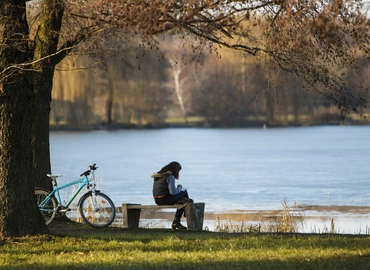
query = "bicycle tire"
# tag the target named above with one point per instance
(49, 210)
(97, 211)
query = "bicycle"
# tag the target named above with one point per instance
(96, 208)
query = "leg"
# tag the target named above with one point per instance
(176, 224)
(171, 200)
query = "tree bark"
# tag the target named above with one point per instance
(46, 43)
(40, 132)
(19, 214)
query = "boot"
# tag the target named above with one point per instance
(176, 225)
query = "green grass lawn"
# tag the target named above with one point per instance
(117, 248)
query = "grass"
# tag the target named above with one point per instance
(79, 247)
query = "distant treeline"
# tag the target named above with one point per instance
(228, 89)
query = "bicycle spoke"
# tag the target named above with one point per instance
(48, 209)
(97, 211)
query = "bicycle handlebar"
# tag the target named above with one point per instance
(92, 168)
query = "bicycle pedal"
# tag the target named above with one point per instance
(64, 210)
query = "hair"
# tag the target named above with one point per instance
(174, 167)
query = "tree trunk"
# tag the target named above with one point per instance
(270, 114)
(40, 132)
(109, 104)
(19, 214)
(46, 43)
(176, 77)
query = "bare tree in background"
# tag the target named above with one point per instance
(308, 38)
(176, 70)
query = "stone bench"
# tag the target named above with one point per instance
(194, 214)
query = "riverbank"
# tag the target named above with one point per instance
(307, 218)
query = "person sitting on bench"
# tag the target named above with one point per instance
(165, 192)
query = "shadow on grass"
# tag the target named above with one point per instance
(189, 240)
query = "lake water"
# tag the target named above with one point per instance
(228, 169)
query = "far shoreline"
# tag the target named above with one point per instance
(337, 121)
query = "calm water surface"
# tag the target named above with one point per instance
(228, 169)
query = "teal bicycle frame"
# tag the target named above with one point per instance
(84, 181)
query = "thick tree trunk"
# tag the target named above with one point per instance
(19, 214)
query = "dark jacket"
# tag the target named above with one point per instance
(160, 185)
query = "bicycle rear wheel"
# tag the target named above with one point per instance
(48, 210)
(97, 210)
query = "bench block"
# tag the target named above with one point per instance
(194, 213)
(194, 216)
(130, 217)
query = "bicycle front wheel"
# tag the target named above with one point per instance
(97, 210)
(47, 208)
